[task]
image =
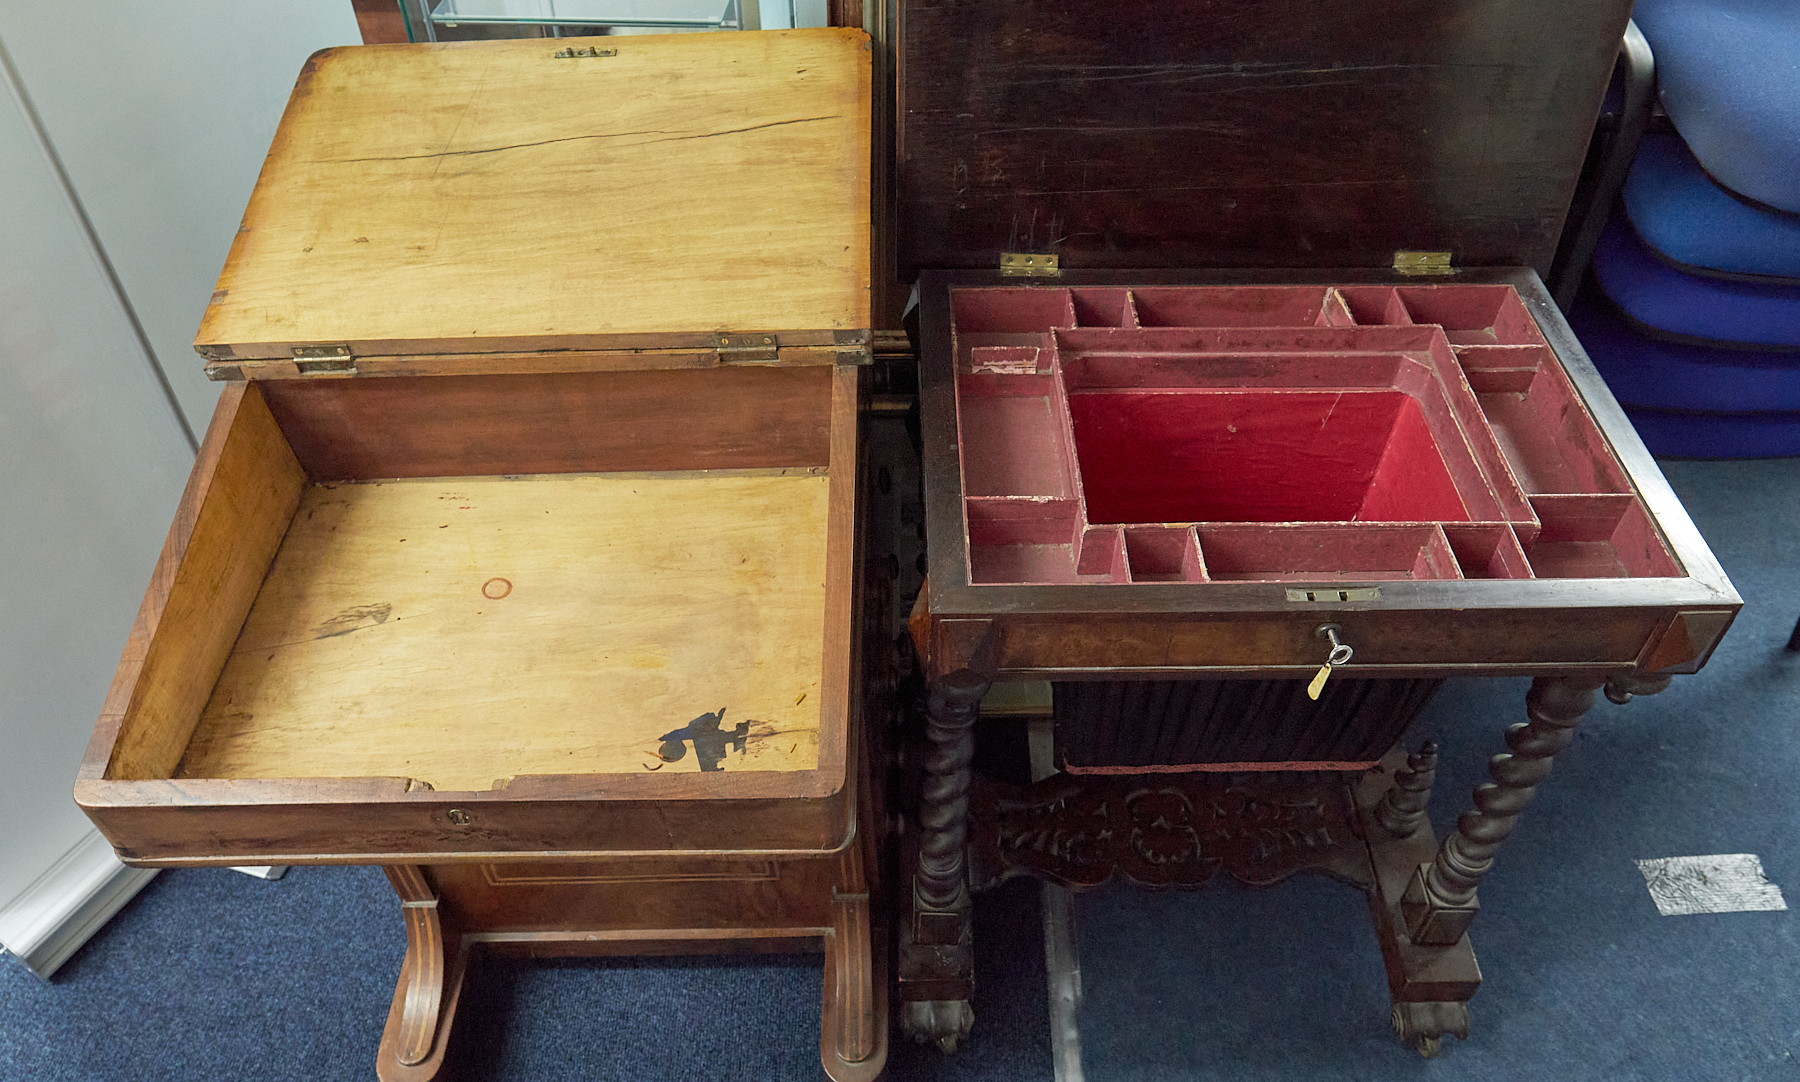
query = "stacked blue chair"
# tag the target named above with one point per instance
(1695, 321)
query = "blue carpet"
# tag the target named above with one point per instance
(212, 974)
(209, 974)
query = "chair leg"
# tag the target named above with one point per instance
(1588, 218)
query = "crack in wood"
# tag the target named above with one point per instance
(572, 139)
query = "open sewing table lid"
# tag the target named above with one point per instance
(705, 193)
(1254, 133)
(1232, 191)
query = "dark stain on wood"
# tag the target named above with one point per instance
(354, 619)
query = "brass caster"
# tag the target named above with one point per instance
(1429, 1047)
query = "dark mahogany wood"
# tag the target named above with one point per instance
(380, 22)
(1590, 576)
(1183, 726)
(1152, 134)
(1440, 901)
(1403, 807)
(1175, 830)
(1514, 525)
(954, 703)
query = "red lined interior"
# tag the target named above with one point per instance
(1274, 433)
(1326, 553)
(1259, 456)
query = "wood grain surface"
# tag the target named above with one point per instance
(574, 422)
(464, 630)
(1138, 133)
(244, 489)
(485, 196)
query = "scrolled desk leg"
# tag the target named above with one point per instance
(854, 1017)
(418, 1027)
(854, 1023)
(1440, 903)
(936, 963)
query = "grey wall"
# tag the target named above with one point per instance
(160, 113)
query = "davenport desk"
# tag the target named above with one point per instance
(520, 557)
(1246, 419)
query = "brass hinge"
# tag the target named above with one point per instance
(738, 348)
(1030, 265)
(313, 360)
(1413, 264)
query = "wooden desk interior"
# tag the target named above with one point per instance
(459, 631)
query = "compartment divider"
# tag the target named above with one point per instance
(1491, 468)
(1109, 308)
(1488, 551)
(1164, 554)
(1597, 535)
(1501, 368)
(1103, 553)
(1021, 520)
(1335, 312)
(1065, 430)
(1325, 552)
(1375, 305)
(1502, 481)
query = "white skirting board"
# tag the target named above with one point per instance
(69, 903)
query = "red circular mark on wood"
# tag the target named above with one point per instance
(495, 589)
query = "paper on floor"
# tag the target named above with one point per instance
(1720, 883)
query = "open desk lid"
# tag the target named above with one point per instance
(602, 193)
(1244, 133)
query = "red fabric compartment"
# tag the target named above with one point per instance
(1164, 554)
(1281, 434)
(1549, 441)
(1259, 456)
(1010, 311)
(1597, 537)
(1230, 306)
(1302, 553)
(1473, 315)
